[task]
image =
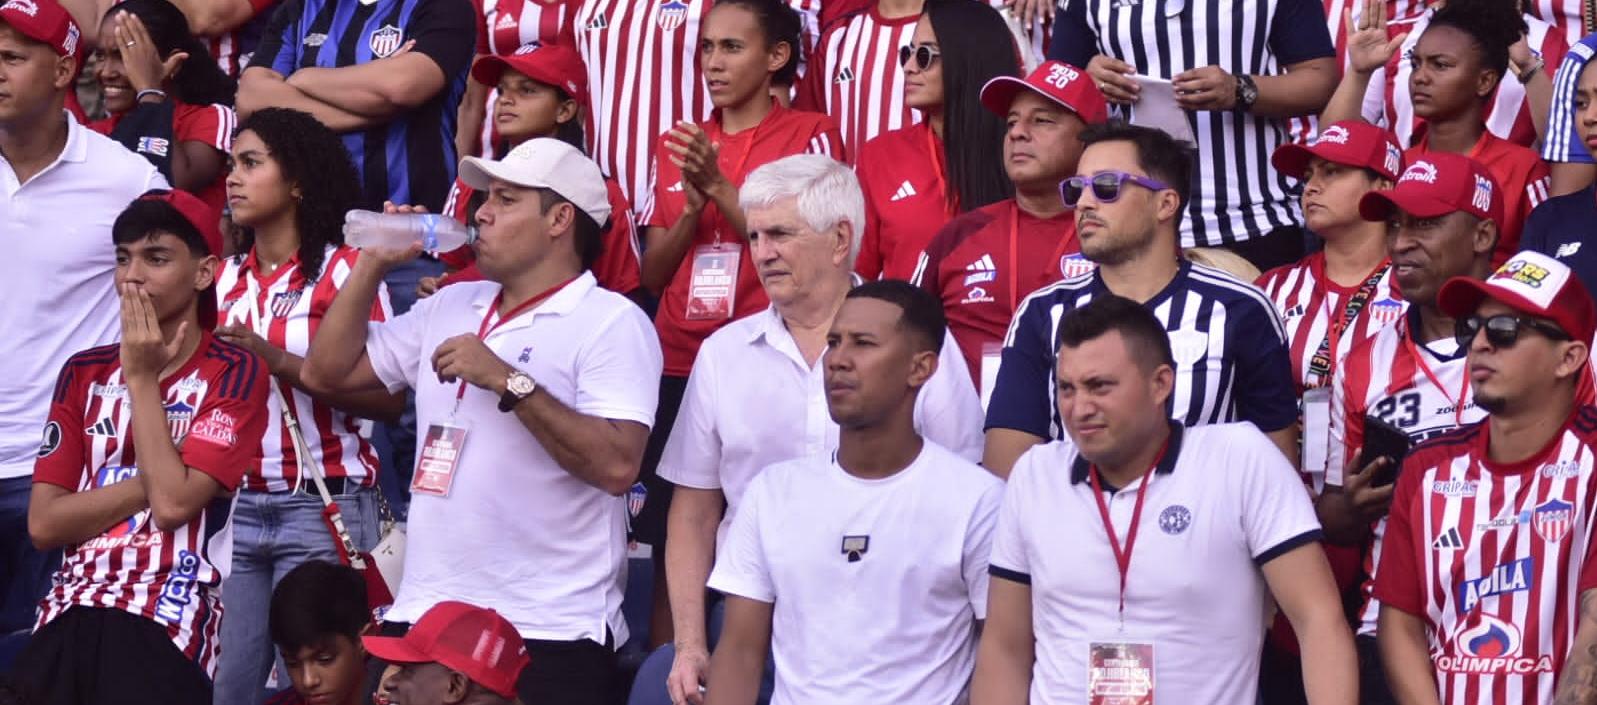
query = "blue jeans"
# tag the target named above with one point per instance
(274, 532)
(24, 571)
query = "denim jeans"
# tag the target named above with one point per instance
(274, 532)
(24, 571)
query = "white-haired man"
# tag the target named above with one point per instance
(756, 396)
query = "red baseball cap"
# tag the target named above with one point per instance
(1059, 82)
(473, 640)
(1437, 184)
(555, 64)
(1349, 142)
(43, 21)
(1531, 283)
(205, 219)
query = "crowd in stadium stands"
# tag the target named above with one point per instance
(806, 352)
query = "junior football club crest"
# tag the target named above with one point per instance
(386, 41)
(1385, 311)
(283, 302)
(178, 417)
(1552, 519)
(672, 14)
(1071, 266)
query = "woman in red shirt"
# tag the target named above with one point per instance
(918, 178)
(168, 100)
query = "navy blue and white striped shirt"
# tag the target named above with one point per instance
(1236, 194)
(1232, 361)
(1562, 141)
(411, 158)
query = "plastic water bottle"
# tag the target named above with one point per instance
(436, 233)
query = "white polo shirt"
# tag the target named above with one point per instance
(518, 533)
(895, 625)
(56, 277)
(1222, 503)
(752, 402)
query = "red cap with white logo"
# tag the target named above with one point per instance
(43, 21)
(1353, 143)
(475, 641)
(1531, 283)
(1059, 82)
(555, 64)
(1436, 184)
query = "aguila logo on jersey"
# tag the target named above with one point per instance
(1553, 519)
(1492, 646)
(1335, 134)
(672, 14)
(179, 416)
(1523, 272)
(110, 475)
(1422, 170)
(981, 271)
(1385, 311)
(384, 42)
(1175, 519)
(1503, 580)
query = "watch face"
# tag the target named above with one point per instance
(520, 384)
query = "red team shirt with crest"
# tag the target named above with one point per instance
(291, 310)
(1493, 557)
(1311, 305)
(854, 76)
(215, 406)
(783, 132)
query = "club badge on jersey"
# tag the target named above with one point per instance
(385, 41)
(1120, 673)
(712, 286)
(672, 14)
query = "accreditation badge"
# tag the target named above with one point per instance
(438, 459)
(712, 288)
(1120, 673)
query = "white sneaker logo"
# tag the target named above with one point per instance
(905, 190)
(980, 271)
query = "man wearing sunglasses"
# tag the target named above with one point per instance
(983, 262)
(1230, 352)
(1444, 212)
(1491, 532)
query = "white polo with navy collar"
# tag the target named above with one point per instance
(1222, 503)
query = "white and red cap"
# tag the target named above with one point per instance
(555, 64)
(1354, 143)
(1531, 283)
(545, 162)
(43, 21)
(1059, 82)
(1434, 185)
(476, 641)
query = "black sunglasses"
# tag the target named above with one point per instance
(1107, 186)
(1502, 331)
(923, 54)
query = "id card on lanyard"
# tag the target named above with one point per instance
(1120, 669)
(713, 273)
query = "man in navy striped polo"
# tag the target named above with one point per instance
(1231, 357)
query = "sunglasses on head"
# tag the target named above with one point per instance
(1107, 186)
(1502, 331)
(924, 56)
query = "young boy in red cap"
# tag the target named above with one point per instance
(145, 443)
(456, 653)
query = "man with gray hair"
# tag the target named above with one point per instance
(756, 395)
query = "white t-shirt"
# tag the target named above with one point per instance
(1222, 503)
(517, 532)
(56, 277)
(752, 402)
(893, 626)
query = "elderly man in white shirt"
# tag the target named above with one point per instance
(756, 395)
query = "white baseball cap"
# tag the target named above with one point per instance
(548, 163)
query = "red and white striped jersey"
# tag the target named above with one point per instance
(503, 26)
(1567, 15)
(1387, 101)
(290, 310)
(215, 406)
(1493, 558)
(232, 49)
(855, 77)
(1309, 302)
(1417, 388)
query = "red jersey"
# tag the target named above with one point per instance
(286, 310)
(1317, 312)
(1521, 177)
(855, 77)
(984, 262)
(906, 201)
(1493, 557)
(782, 133)
(211, 125)
(616, 269)
(1388, 101)
(503, 26)
(216, 408)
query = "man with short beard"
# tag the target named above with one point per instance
(1231, 357)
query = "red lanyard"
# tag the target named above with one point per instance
(490, 324)
(1014, 253)
(1463, 387)
(1123, 557)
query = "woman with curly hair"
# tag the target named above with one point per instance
(292, 182)
(168, 101)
